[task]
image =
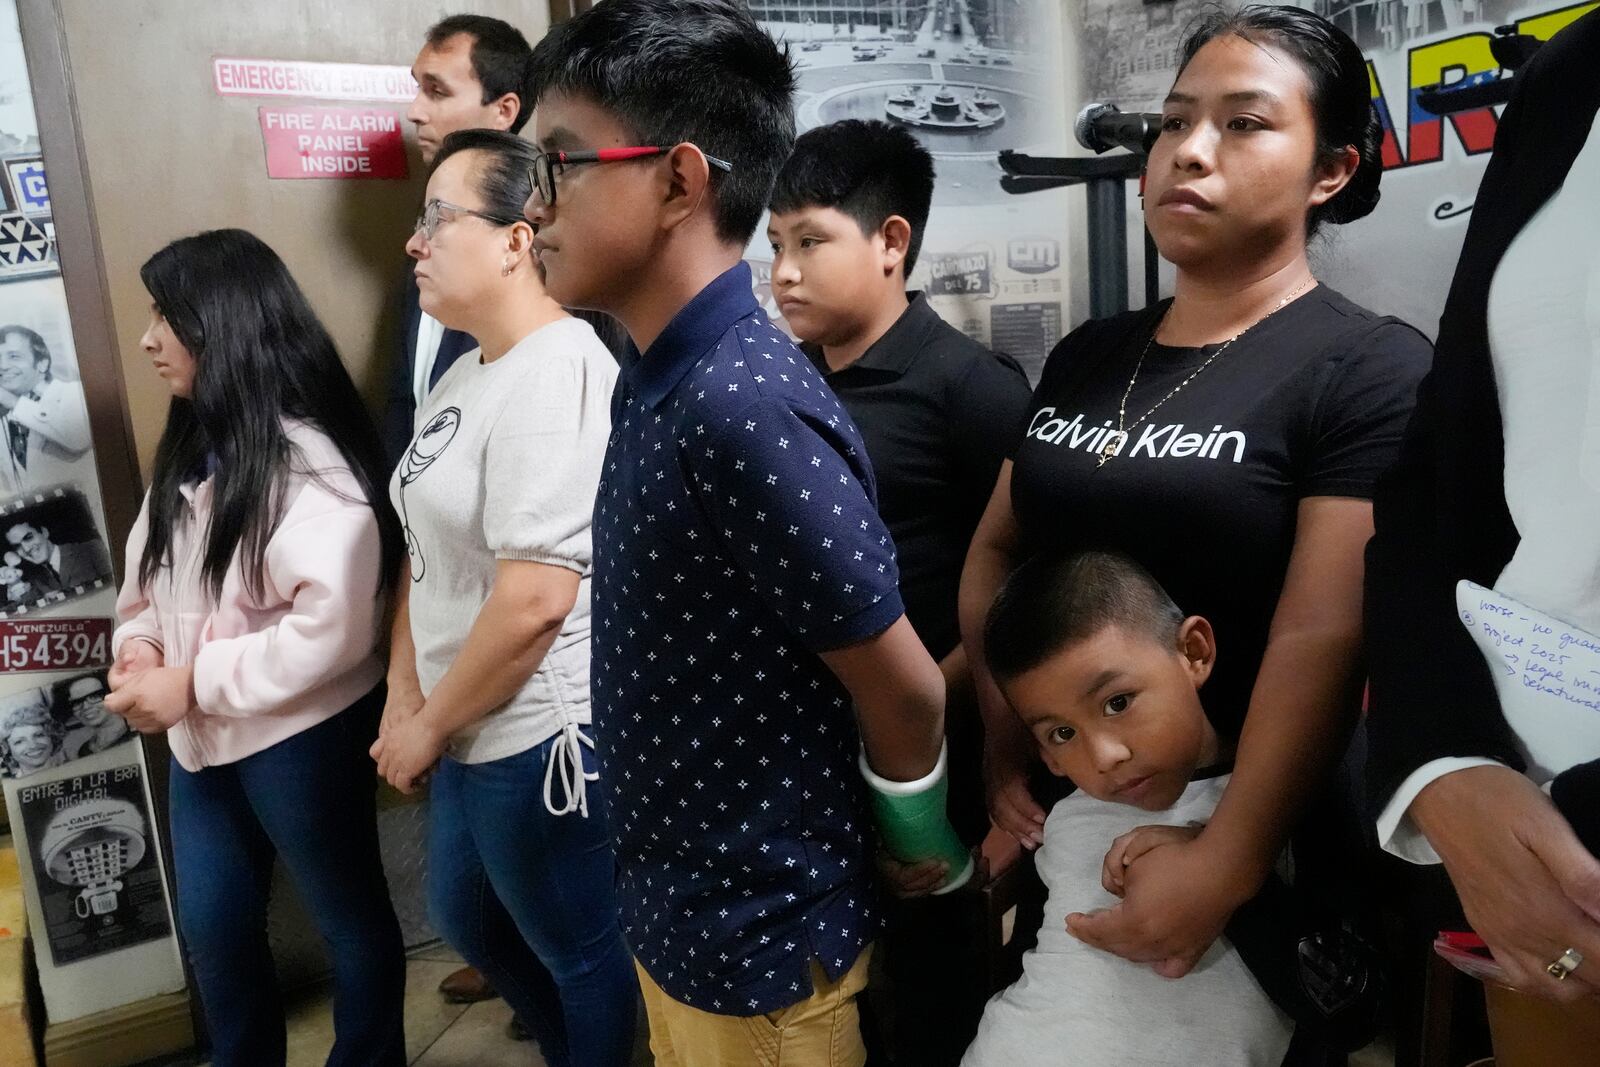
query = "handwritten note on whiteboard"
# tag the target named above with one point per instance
(1546, 673)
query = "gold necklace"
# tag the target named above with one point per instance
(1114, 443)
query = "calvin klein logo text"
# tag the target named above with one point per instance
(1154, 442)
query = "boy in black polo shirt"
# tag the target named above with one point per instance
(745, 589)
(848, 213)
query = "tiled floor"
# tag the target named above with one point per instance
(437, 1034)
(452, 1035)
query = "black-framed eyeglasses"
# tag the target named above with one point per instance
(548, 165)
(438, 211)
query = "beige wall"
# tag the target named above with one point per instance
(167, 156)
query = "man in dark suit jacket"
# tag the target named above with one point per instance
(56, 568)
(406, 389)
(1445, 767)
(471, 74)
(80, 563)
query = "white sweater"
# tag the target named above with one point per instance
(504, 464)
(266, 669)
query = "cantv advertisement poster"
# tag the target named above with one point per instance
(93, 845)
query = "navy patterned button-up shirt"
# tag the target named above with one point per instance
(735, 537)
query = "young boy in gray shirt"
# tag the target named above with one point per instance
(1105, 672)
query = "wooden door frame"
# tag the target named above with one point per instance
(78, 250)
(94, 335)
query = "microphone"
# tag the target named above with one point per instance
(1102, 127)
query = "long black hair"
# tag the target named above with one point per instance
(261, 355)
(1341, 93)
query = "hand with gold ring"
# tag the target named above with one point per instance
(1526, 883)
(1565, 964)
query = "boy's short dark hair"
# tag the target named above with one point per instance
(501, 58)
(671, 71)
(1054, 601)
(867, 169)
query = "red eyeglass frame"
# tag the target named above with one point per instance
(605, 155)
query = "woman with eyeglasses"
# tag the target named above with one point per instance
(489, 663)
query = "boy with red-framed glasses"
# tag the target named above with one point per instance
(746, 609)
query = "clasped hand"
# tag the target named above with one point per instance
(408, 744)
(152, 697)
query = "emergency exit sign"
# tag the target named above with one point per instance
(333, 142)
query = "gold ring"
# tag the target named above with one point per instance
(1565, 964)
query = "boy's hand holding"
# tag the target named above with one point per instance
(910, 880)
(1135, 843)
(1175, 906)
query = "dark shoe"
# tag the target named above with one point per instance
(466, 986)
(516, 1031)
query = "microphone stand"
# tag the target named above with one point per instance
(1104, 179)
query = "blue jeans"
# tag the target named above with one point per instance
(310, 799)
(529, 898)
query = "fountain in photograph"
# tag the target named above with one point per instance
(944, 107)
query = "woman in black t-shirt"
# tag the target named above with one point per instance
(1229, 440)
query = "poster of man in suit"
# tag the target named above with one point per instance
(50, 551)
(44, 422)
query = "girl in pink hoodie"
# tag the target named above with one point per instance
(256, 586)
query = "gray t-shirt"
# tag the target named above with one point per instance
(1076, 1006)
(504, 464)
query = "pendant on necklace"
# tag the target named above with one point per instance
(1112, 447)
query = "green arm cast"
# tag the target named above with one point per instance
(911, 817)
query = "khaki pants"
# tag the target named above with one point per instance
(823, 1030)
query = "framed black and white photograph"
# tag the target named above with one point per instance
(51, 551)
(79, 705)
(53, 725)
(93, 849)
(44, 416)
(968, 79)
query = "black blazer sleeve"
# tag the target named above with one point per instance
(1441, 512)
(399, 405)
